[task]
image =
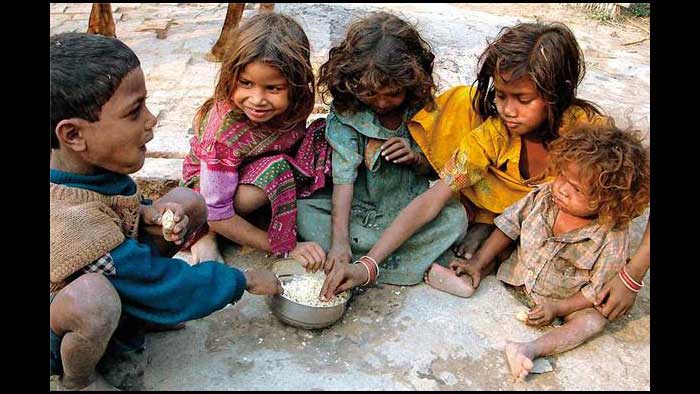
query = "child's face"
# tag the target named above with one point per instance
(262, 92)
(519, 105)
(384, 100)
(117, 141)
(569, 194)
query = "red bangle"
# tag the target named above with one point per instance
(625, 281)
(374, 265)
(640, 285)
(371, 266)
(629, 280)
(369, 272)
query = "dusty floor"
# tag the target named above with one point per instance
(392, 337)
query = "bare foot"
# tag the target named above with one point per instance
(447, 280)
(99, 384)
(476, 234)
(206, 249)
(519, 359)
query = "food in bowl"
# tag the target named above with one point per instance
(305, 290)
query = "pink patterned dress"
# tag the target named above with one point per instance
(229, 149)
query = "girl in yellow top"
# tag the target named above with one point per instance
(489, 143)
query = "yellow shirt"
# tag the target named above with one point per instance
(480, 159)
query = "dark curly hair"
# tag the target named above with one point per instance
(380, 50)
(547, 53)
(615, 166)
(276, 40)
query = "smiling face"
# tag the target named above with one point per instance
(519, 105)
(384, 100)
(570, 195)
(117, 141)
(262, 92)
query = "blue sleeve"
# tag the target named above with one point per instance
(166, 290)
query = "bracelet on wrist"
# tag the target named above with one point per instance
(369, 274)
(371, 266)
(629, 283)
(639, 284)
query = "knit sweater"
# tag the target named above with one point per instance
(94, 214)
(85, 225)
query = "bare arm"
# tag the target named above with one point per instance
(242, 232)
(572, 304)
(640, 262)
(340, 215)
(543, 314)
(420, 211)
(340, 239)
(496, 243)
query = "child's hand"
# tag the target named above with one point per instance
(343, 277)
(262, 282)
(339, 254)
(178, 230)
(310, 254)
(398, 150)
(542, 315)
(470, 267)
(615, 299)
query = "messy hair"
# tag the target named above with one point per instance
(380, 50)
(613, 164)
(84, 72)
(278, 41)
(550, 56)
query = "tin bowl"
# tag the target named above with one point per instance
(296, 314)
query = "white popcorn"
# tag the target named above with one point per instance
(521, 315)
(168, 220)
(305, 290)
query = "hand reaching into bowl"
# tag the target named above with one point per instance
(342, 277)
(262, 282)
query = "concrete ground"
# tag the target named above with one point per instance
(391, 337)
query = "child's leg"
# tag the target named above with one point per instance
(578, 328)
(476, 235)
(247, 199)
(445, 279)
(85, 314)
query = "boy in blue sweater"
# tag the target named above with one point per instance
(110, 254)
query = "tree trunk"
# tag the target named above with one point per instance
(267, 7)
(101, 21)
(233, 17)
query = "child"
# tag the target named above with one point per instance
(490, 143)
(379, 76)
(571, 237)
(107, 244)
(252, 147)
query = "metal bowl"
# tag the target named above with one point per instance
(299, 315)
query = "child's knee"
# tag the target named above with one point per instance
(595, 321)
(89, 305)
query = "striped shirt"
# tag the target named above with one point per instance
(557, 267)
